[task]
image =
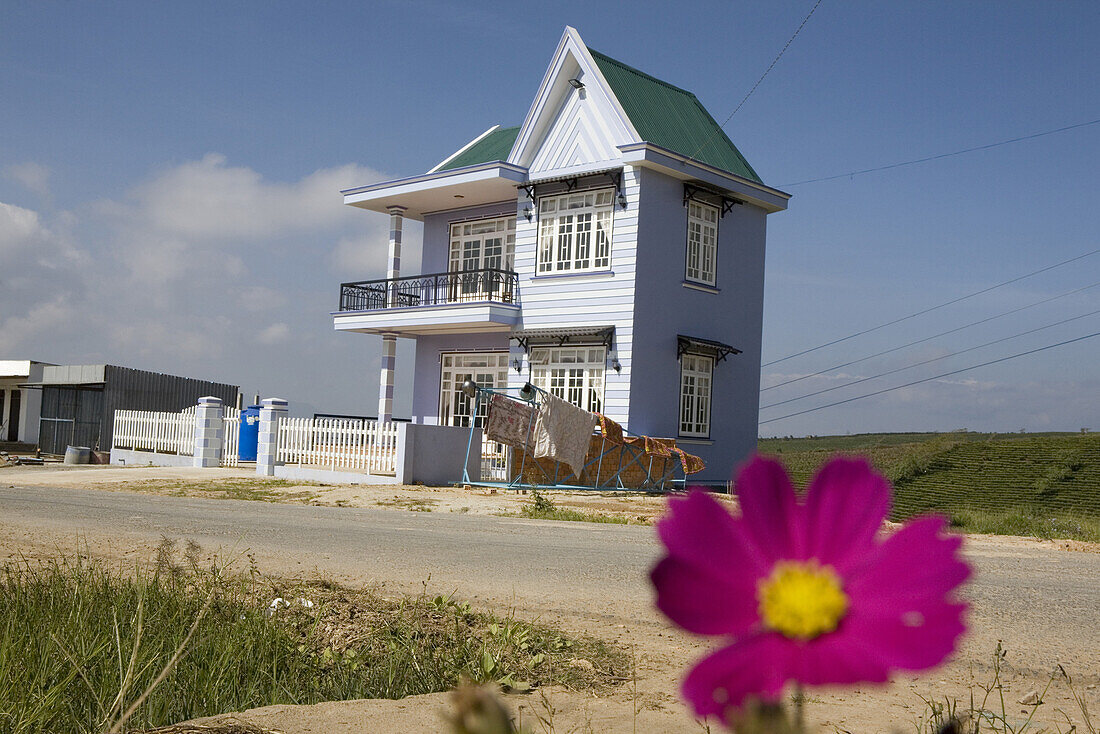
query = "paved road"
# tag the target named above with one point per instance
(1044, 602)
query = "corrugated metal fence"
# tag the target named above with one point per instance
(338, 443)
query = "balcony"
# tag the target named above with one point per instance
(470, 301)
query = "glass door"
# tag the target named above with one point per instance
(487, 369)
(479, 252)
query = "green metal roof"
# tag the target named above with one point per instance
(672, 118)
(493, 147)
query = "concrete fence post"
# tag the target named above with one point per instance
(208, 432)
(271, 410)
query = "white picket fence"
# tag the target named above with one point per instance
(339, 443)
(172, 433)
(231, 436)
(147, 430)
(495, 458)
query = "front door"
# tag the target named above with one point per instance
(13, 416)
(487, 369)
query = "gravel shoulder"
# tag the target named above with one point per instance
(1042, 599)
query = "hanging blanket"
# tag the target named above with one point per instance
(660, 447)
(563, 432)
(691, 463)
(510, 422)
(611, 430)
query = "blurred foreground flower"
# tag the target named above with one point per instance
(803, 589)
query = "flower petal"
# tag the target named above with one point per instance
(771, 517)
(755, 666)
(846, 503)
(840, 658)
(704, 601)
(916, 564)
(901, 597)
(698, 529)
(916, 640)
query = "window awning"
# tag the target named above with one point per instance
(695, 345)
(571, 180)
(566, 335)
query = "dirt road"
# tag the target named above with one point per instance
(1041, 600)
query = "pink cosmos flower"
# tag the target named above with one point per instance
(802, 588)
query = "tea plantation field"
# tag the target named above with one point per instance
(1038, 477)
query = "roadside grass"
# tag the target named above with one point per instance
(232, 488)
(81, 642)
(542, 507)
(413, 504)
(1022, 521)
(1044, 485)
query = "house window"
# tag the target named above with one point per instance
(575, 232)
(574, 374)
(702, 243)
(695, 387)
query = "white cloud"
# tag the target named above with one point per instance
(276, 333)
(19, 228)
(32, 176)
(190, 272)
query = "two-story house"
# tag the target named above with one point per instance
(609, 250)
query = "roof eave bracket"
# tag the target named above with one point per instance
(726, 203)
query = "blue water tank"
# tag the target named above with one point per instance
(250, 433)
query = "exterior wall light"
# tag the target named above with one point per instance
(614, 357)
(576, 84)
(529, 212)
(622, 200)
(517, 365)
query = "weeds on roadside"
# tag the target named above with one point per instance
(991, 713)
(542, 507)
(80, 644)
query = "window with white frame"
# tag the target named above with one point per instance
(486, 243)
(702, 243)
(696, 373)
(574, 374)
(575, 232)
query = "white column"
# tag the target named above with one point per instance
(385, 385)
(271, 411)
(208, 432)
(389, 341)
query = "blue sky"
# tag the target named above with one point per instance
(169, 178)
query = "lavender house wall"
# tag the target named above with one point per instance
(664, 307)
(426, 368)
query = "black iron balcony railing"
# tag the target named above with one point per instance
(438, 289)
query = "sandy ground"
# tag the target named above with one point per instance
(651, 704)
(637, 507)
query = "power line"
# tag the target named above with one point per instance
(936, 377)
(941, 155)
(930, 338)
(928, 310)
(754, 86)
(928, 361)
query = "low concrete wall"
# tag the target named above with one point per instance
(295, 472)
(434, 455)
(129, 457)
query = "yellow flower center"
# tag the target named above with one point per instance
(802, 599)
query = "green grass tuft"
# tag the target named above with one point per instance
(79, 643)
(543, 508)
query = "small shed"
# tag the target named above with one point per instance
(79, 401)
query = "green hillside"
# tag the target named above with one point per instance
(1045, 484)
